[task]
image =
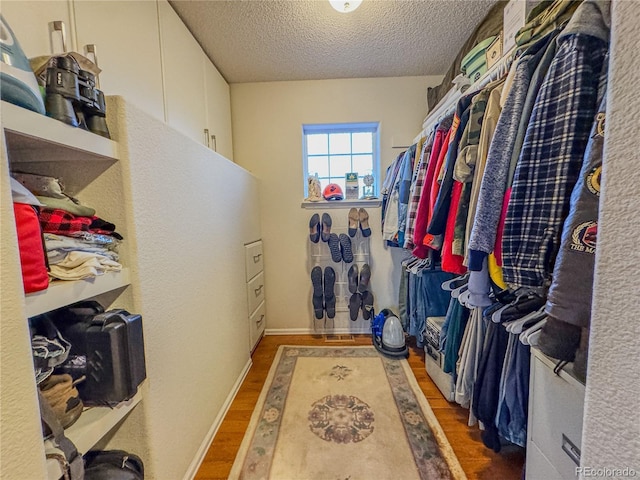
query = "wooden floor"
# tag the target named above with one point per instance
(477, 461)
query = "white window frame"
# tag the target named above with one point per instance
(353, 127)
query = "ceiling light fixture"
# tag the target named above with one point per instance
(345, 6)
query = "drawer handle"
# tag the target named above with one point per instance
(256, 258)
(571, 450)
(259, 321)
(258, 290)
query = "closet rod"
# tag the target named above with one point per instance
(448, 102)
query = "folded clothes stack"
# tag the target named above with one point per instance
(77, 242)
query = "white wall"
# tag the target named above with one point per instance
(611, 435)
(189, 218)
(267, 121)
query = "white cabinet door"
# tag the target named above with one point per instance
(218, 102)
(126, 36)
(30, 23)
(182, 65)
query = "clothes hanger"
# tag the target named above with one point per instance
(421, 265)
(496, 317)
(533, 338)
(516, 326)
(457, 282)
(463, 299)
(456, 292)
(526, 301)
(526, 336)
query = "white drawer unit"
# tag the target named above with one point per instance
(556, 408)
(256, 324)
(255, 291)
(253, 259)
(254, 262)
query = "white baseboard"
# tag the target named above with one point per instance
(311, 331)
(206, 443)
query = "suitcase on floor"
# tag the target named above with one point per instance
(109, 349)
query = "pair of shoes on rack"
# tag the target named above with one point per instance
(361, 297)
(324, 298)
(359, 218)
(360, 301)
(340, 248)
(319, 229)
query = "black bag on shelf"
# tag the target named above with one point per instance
(111, 345)
(113, 465)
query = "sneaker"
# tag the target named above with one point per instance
(317, 299)
(329, 295)
(345, 247)
(334, 248)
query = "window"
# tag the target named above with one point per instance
(333, 150)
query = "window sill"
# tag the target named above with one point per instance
(326, 204)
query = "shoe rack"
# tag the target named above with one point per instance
(319, 254)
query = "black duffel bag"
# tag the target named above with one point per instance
(112, 465)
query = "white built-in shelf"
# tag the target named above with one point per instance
(32, 137)
(326, 204)
(91, 427)
(64, 292)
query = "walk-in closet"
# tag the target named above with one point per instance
(319, 239)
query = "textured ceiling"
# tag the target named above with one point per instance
(276, 40)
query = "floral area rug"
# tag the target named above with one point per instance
(343, 413)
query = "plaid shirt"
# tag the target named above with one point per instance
(61, 222)
(551, 158)
(416, 191)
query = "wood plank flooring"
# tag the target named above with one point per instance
(478, 462)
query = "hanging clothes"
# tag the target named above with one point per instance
(416, 191)
(554, 147)
(390, 200)
(492, 188)
(469, 362)
(568, 300)
(486, 390)
(404, 189)
(423, 211)
(438, 220)
(513, 404)
(426, 299)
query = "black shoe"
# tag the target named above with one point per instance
(329, 295)
(326, 227)
(314, 228)
(367, 305)
(352, 276)
(355, 302)
(365, 276)
(316, 280)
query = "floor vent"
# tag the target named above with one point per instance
(338, 338)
